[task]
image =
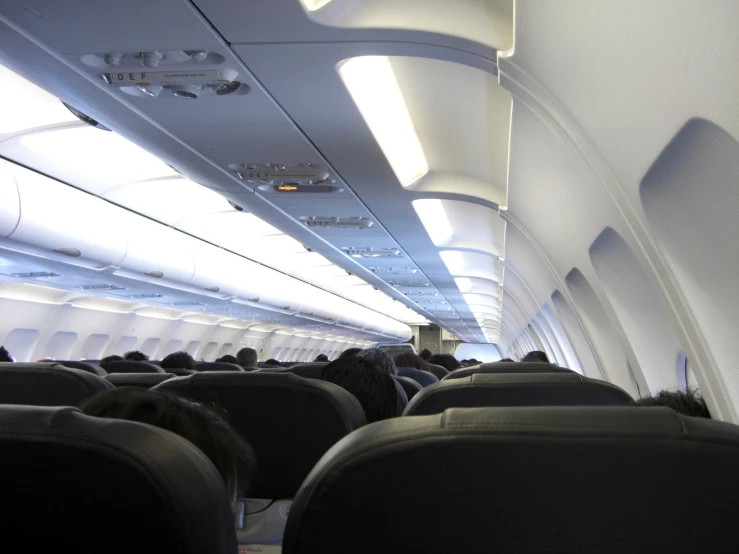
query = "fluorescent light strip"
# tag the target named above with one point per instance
(313, 5)
(374, 88)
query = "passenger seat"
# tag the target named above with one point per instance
(47, 384)
(129, 366)
(507, 367)
(80, 484)
(141, 380)
(514, 480)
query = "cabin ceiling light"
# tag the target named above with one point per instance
(373, 87)
(433, 216)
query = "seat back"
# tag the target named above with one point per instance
(217, 366)
(507, 367)
(47, 384)
(409, 386)
(84, 366)
(289, 421)
(423, 378)
(439, 371)
(605, 479)
(517, 389)
(308, 370)
(127, 366)
(82, 484)
(141, 380)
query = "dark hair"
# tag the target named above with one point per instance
(688, 403)
(447, 361)
(506, 360)
(350, 352)
(321, 358)
(536, 356)
(5, 355)
(247, 357)
(135, 356)
(206, 428)
(373, 387)
(113, 358)
(425, 354)
(409, 359)
(273, 362)
(380, 358)
(178, 360)
(228, 359)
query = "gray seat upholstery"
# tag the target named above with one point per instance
(289, 421)
(517, 389)
(409, 386)
(75, 483)
(423, 378)
(516, 480)
(84, 366)
(439, 371)
(307, 370)
(141, 380)
(47, 384)
(217, 366)
(128, 366)
(507, 367)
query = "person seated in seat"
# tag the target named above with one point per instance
(135, 356)
(688, 403)
(506, 360)
(247, 358)
(409, 359)
(380, 358)
(273, 362)
(178, 360)
(5, 355)
(536, 356)
(425, 354)
(204, 427)
(350, 352)
(321, 358)
(228, 359)
(447, 361)
(113, 358)
(371, 385)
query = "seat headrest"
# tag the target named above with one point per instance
(308, 370)
(47, 384)
(217, 366)
(288, 420)
(142, 380)
(89, 367)
(108, 483)
(409, 386)
(507, 367)
(402, 397)
(127, 366)
(423, 378)
(576, 479)
(438, 370)
(517, 389)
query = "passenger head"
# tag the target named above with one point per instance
(202, 426)
(350, 352)
(380, 358)
(372, 386)
(447, 361)
(5, 355)
(506, 360)
(425, 354)
(689, 403)
(536, 356)
(409, 359)
(178, 360)
(228, 359)
(113, 358)
(247, 357)
(273, 362)
(321, 358)
(135, 356)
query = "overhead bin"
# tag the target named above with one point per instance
(219, 271)
(10, 202)
(270, 288)
(159, 251)
(60, 218)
